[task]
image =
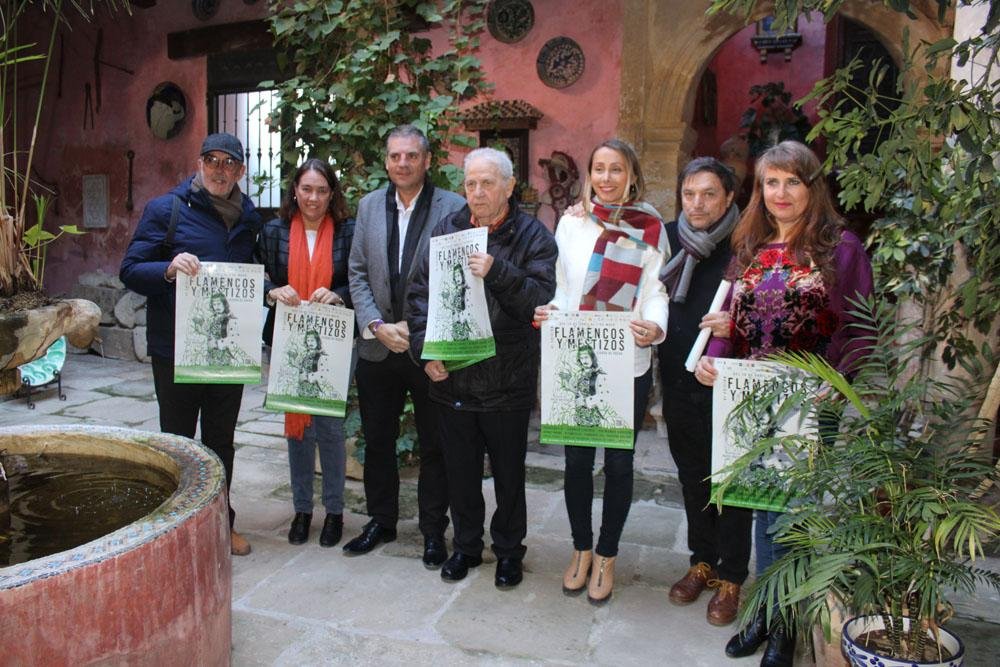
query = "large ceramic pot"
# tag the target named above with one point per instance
(25, 335)
(863, 657)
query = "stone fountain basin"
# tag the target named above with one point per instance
(157, 591)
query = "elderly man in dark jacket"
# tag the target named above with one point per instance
(486, 406)
(204, 219)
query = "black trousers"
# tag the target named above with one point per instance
(579, 483)
(721, 539)
(465, 436)
(382, 387)
(217, 405)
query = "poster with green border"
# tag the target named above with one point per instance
(588, 364)
(459, 331)
(759, 485)
(310, 359)
(219, 318)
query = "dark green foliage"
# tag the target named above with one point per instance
(933, 177)
(887, 526)
(772, 118)
(358, 68)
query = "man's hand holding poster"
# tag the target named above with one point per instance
(587, 379)
(458, 319)
(218, 323)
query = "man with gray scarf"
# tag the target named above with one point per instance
(204, 219)
(699, 244)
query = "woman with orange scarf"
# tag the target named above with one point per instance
(304, 252)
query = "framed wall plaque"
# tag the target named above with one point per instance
(95, 201)
(560, 62)
(510, 20)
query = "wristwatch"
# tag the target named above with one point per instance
(374, 325)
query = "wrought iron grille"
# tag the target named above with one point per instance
(244, 114)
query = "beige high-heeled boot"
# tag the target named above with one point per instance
(575, 578)
(602, 580)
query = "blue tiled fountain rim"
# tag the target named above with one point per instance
(202, 478)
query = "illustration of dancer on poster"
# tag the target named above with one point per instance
(310, 359)
(219, 319)
(759, 485)
(587, 379)
(458, 319)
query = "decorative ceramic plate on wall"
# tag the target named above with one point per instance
(510, 20)
(560, 62)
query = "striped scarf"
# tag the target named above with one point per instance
(614, 273)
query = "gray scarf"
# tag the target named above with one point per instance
(229, 208)
(696, 245)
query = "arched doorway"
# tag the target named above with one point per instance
(666, 50)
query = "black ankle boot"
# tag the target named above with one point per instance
(780, 646)
(749, 639)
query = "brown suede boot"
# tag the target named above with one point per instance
(575, 578)
(239, 545)
(692, 584)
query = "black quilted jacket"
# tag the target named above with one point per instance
(523, 276)
(272, 252)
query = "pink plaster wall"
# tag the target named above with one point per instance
(579, 116)
(66, 151)
(737, 67)
(576, 117)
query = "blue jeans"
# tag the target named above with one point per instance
(768, 551)
(328, 434)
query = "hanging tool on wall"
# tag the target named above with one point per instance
(130, 155)
(98, 61)
(88, 106)
(62, 60)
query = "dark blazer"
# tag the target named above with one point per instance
(272, 252)
(201, 232)
(369, 263)
(523, 275)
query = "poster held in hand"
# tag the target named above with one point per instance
(759, 485)
(311, 359)
(588, 358)
(458, 319)
(218, 323)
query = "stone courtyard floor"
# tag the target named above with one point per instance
(305, 605)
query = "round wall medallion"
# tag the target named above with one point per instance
(204, 9)
(560, 62)
(510, 20)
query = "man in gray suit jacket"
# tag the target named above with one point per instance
(393, 226)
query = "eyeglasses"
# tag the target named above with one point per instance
(229, 164)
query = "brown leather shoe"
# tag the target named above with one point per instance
(724, 604)
(575, 578)
(602, 580)
(239, 544)
(692, 584)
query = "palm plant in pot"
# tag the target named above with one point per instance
(884, 524)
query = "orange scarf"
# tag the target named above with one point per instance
(306, 276)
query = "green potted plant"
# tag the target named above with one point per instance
(885, 525)
(28, 321)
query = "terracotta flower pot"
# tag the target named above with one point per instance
(26, 334)
(861, 656)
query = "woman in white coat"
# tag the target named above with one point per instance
(610, 255)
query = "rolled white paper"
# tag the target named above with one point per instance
(699, 344)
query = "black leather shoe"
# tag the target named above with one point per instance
(435, 552)
(333, 530)
(299, 532)
(780, 651)
(749, 639)
(371, 535)
(509, 573)
(456, 567)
